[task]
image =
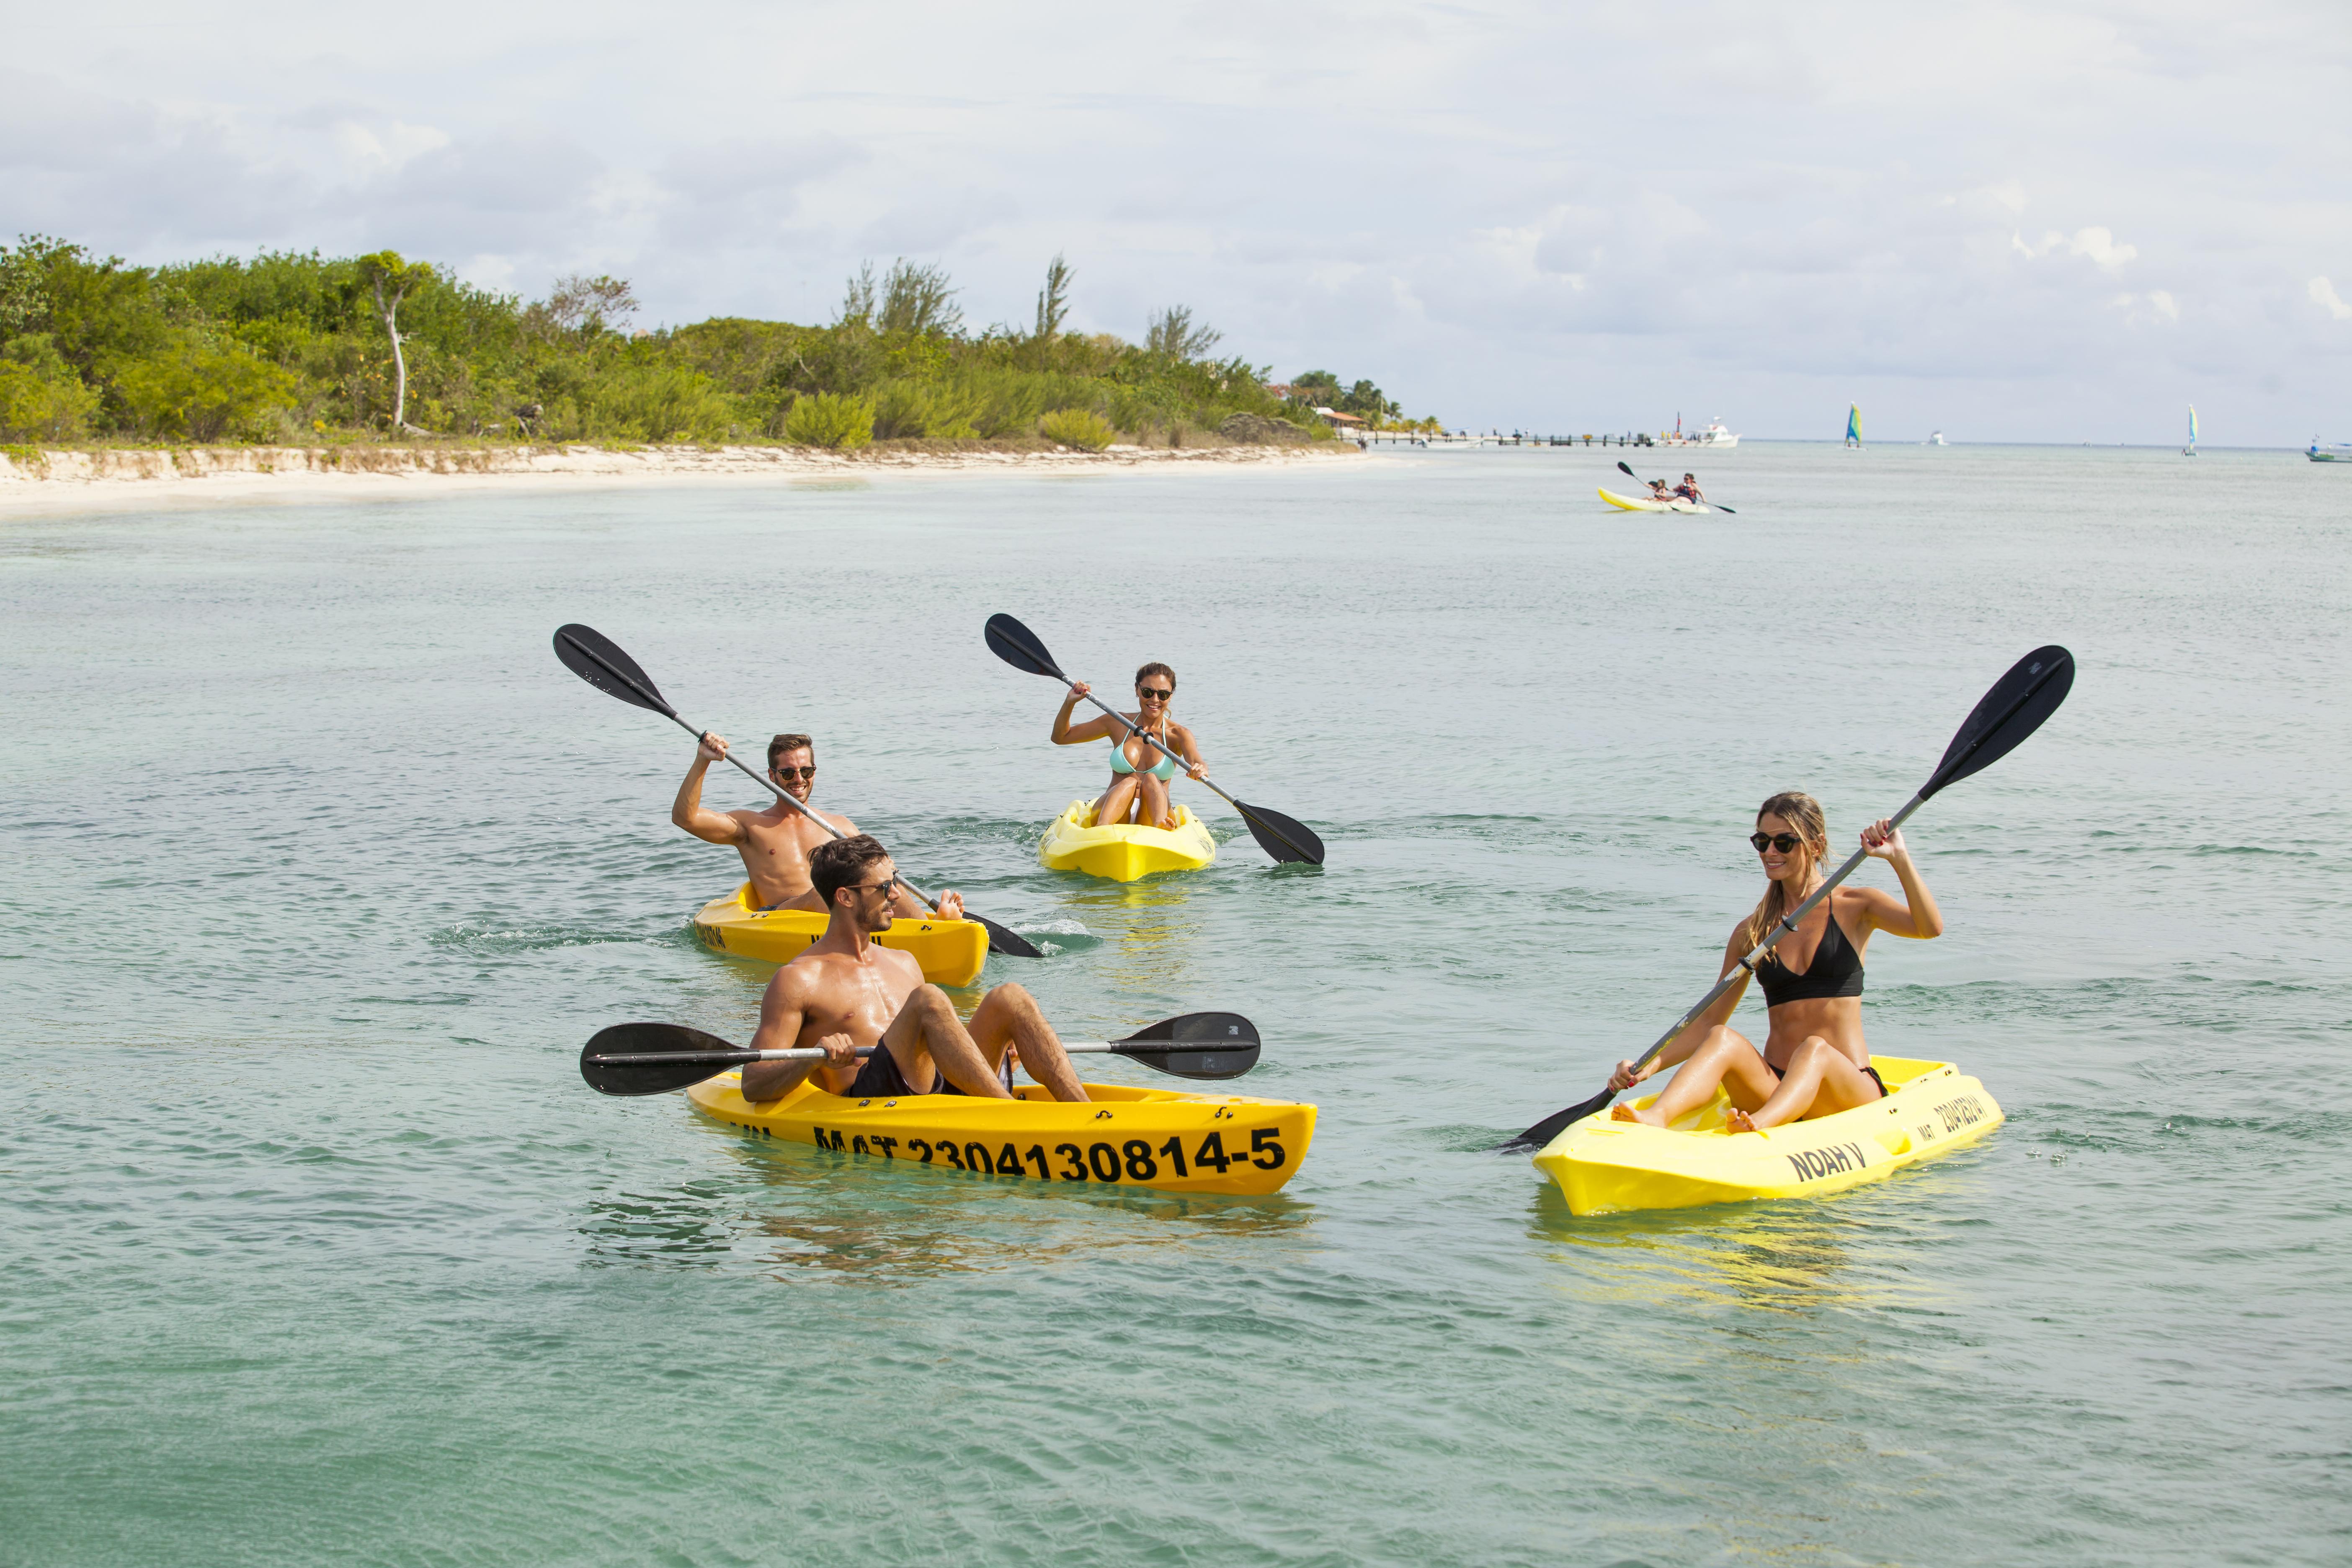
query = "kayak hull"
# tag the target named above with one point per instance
(951, 952)
(1642, 503)
(1605, 1166)
(1124, 851)
(1168, 1140)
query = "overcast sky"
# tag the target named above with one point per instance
(2042, 222)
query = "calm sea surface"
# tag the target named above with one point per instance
(313, 1248)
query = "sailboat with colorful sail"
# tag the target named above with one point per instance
(2191, 449)
(1853, 425)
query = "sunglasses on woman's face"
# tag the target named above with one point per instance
(1148, 692)
(1785, 843)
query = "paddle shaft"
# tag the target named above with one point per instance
(1121, 719)
(1785, 924)
(816, 1054)
(666, 711)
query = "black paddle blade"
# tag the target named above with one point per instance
(2014, 708)
(1557, 1122)
(1004, 939)
(1627, 471)
(655, 1078)
(598, 661)
(1195, 1045)
(1017, 646)
(1279, 836)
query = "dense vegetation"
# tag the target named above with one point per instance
(292, 348)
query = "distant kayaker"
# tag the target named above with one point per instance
(1688, 490)
(1139, 775)
(1813, 1061)
(775, 844)
(1660, 493)
(845, 992)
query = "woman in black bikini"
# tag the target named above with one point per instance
(1813, 1062)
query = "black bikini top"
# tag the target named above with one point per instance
(1836, 971)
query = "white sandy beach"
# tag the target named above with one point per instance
(114, 479)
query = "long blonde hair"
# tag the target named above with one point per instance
(1803, 812)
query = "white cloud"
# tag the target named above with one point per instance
(2323, 294)
(2096, 244)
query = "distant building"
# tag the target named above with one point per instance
(1336, 417)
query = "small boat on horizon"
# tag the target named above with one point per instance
(1854, 426)
(2191, 449)
(1714, 435)
(2341, 452)
(1935, 438)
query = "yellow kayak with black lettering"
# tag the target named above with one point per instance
(1172, 1140)
(1123, 851)
(951, 952)
(1605, 1166)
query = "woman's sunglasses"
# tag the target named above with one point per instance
(1155, 691)
(1785, 843)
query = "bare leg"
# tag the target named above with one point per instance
(929, 1042)
(807, 901)
(1723, 1057)
(1821, 1081)
(1153, 795)
(1113, 807)
(1008, 1015)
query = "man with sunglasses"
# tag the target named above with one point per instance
(776, 843)
(845, 992)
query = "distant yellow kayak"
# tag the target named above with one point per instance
(1644, 503)
(1609, 1167)
(1123, 851)
(951, 952)
(1173, 1139)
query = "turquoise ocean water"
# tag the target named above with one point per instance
(315, 1249)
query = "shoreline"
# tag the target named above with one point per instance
(109, 478)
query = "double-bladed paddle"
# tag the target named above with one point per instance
(654, 1058)
(1715, 504)
(1277, 834)
(598, 661)
(2014, 708)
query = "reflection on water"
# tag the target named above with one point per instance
(1782, 1255)
(791, 1209)
(1151, 930)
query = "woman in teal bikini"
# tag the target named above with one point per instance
(1139, 775)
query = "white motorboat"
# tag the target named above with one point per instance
(1935, 438)
(1714, 435)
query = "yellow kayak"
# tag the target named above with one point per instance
(1124, 851)
(1610, 1167)
(1644, 503)
(951, 952)
(1171, 1140)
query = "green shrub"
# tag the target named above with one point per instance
(649, 403)
(1079, 427)
(904, 408)
(194, 392)
(828, 419)
(34, 407)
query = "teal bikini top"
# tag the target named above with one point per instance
(1119, 764)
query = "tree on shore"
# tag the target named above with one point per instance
(1173, 335)
(916, 299)
(1054, 300)
(392, 281)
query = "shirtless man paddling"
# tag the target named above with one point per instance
(845, 992)
(776, 843)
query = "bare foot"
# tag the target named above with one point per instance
(1648, 1118)
(1738, 1120)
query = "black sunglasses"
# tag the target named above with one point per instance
(808, 773)
(1785, 842)
(1156, 691)
(882, 888)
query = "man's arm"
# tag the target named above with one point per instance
(782, 1011)
(687, 811)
